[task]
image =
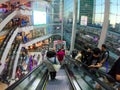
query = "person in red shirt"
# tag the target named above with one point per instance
(60, 55)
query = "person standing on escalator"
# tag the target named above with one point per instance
(94, 63)
(60, 55)
(49, 61)
(74, 53)
(43, 51)
(104, 58)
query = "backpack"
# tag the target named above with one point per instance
(106, 61)
(105, 53)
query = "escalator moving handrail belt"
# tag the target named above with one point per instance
(72, 80)
(19, 81)
(93, 77)
(45, 78)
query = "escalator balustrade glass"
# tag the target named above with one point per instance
(86, 80)
(31, 80)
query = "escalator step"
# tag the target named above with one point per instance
(60, 83)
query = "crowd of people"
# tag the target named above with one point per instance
(50, 58)
(54, 57)
(8, 7)
(27, 62)
(96, 59)
(91, 59)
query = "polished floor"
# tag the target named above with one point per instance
(3, 86)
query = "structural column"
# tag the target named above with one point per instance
(105, 24)
(61, 17)
(75, 9)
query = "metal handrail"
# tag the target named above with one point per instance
(43, 82)
(92, 76)
(72, 80)
(21, 80)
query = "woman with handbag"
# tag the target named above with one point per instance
(52, 63)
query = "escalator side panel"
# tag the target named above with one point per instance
(28, 80)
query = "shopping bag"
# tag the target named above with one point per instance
(56, 67)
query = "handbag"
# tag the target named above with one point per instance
(55, 65)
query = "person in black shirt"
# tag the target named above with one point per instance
(113, 75)
(87, 55)
(115, 70)
(74, 53)
(94, 61)
(104, 56)
(95, 58)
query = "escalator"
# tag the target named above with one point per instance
(5, 47)
(5, 41)
(68, 78)
(8, 67)
(11, 57)
(6, 17)
(86, 80)
(38, 79)
(60, 83)
(72, 76)
(33, 80)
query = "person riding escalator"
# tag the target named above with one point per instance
(50, 60)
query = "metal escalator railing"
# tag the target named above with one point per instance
(33, 80)
(11, 57)
(37, 79)
(7, 37)
(4, 15)
(75, 73)
(104, 74)
(75, 85)
(5, 41)
(62, 81)
(82, 74)
(7, 19)
(43, 82)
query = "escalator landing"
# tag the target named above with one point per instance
(60, 83)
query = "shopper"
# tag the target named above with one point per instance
(115, 70)
(104, 57)
(50, 61)
(60, 55)
(94, 61)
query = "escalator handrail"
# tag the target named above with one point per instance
(19, 81)
(108, 76)
(43, 82)
(6, 37)
(7, 41)
(71, 81)
(12, 59)
(5, 15)
(101, 73)
(93, 77)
